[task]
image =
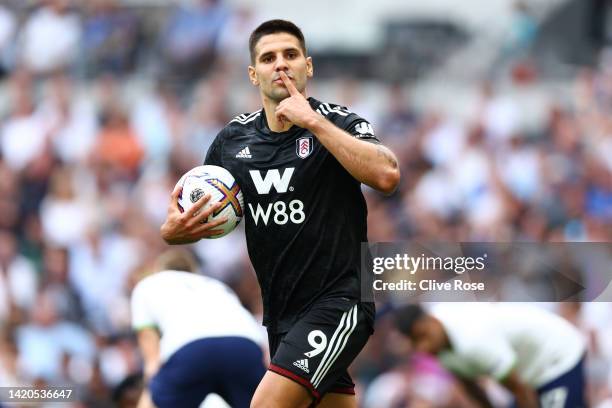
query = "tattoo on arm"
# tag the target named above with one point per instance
(383, 152)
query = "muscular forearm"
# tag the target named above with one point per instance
(371, 164)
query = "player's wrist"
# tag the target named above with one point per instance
(314, 121)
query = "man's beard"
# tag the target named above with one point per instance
(278, 95)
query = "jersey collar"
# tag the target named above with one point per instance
(262, 122)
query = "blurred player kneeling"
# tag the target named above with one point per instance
(195, 337)
(536, 355)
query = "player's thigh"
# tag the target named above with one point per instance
(335, 400)
(276, 391)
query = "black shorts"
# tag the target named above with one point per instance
(321, 345)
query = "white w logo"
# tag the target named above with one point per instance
(272, 178)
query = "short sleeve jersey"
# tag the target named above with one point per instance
(305, 215)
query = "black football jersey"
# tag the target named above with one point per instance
(305, 215)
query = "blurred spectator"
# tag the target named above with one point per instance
(191, 34)
(18, 279)
(206, 117)
(8, 26)
(520, 169)
(500, 115)
(50, 37)
(523, 28)
(110, 35)
(10, 192)
(44, 340)
(118, 359)
(61, 204)
(234, 35)
(599, 191)
(118, 153)
(351, 95)
(9, 375)
(399, 119)
(56, 284)
(34, 187)
(444, 141)
(99, 270)
(157, 119)
(23, 134)
(152, 189)
(71, 119)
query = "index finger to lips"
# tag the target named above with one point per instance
(290, 87)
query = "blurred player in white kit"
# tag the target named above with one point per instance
(195, 337)
(538, 356)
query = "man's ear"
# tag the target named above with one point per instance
(309, 67)
(253, 76)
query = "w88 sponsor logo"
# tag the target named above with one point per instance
(278, 212)
(281, 212)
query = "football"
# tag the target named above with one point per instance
(222, 187)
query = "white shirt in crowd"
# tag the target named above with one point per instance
(492, 339)
(186, 307)
(50, 40)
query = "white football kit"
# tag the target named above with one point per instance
(186, 307)
(493, 339)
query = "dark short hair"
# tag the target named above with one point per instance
(406, 317)
(273, 27)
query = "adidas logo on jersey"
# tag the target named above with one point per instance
(244, 153)
(302, 365)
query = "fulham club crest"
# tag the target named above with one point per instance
(303, 147)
